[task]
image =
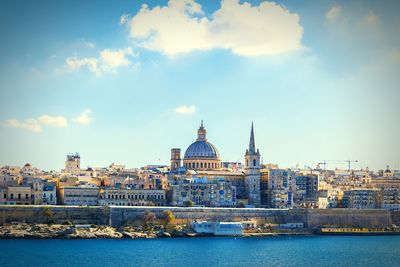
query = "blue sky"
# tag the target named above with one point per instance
(122, 83)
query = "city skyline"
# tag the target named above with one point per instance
(106, 83)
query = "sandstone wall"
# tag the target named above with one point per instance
(348, 218)
(117, 216)
(58, 214)
(125, 215)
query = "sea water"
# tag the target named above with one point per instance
(218, 251)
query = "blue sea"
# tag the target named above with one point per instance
(220, 251)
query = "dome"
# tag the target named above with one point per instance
(202, 155)
(201, 149)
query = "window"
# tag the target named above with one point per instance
(254, 162)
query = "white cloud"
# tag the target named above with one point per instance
(333, 13)
(246, 30)
(75, 63)
(84, 118)
(124, 19)
(28, 124)
(108, 60)
(115, 58)
(35, 125)
(55, 121)
(186, 109)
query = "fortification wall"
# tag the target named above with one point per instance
(57, 214)
(118, 216)
(348, 218)
(395, 216)
(126, 215)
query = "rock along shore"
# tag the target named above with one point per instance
(56, 231)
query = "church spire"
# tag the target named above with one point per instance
(252, 145)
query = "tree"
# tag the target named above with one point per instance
(148, 217)
(47, 213)
(188, 203)
(167, 217)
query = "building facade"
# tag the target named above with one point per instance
(132, 197)
(79, 195)
(203, 192)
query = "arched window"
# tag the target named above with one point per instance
(201, 165)
(254, 162)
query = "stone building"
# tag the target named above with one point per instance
(175, 158)
(132, 197)
(20, 195)
(49, 194)
(362, 199)
(73, 164)
(391, 198)
(281, 186)
(306, 191)
(83, 195)
(203, 192)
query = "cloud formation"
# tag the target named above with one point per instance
(108, 60)
(55, 121)
(35, 125)
(333, 12)
(85, 117)
(185, 109)
(246, 30)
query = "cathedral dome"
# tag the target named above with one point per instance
(202, 155)
(202, 149)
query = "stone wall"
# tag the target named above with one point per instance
(395, 216)
(57, 214)
(126, 215)
(117, 216)
(348, 218)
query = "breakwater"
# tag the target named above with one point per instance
(119, 216)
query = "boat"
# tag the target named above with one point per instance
(219, 228)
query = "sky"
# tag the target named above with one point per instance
(125, 81)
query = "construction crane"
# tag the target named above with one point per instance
(325, 162)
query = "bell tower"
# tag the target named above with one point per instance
(252, 172)
(175, 158)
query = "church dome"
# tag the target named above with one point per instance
(201, 149)
(202, 155)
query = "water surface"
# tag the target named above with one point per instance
(277, 251)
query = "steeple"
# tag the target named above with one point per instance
(252, 145)
(201, 133)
